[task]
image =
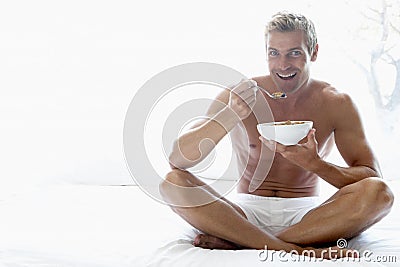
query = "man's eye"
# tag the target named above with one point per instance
(295, 53)
(273, 53)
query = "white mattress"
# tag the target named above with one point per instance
(77, 225)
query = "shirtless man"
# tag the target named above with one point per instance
(362, 198)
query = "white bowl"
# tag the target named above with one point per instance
(284, 133)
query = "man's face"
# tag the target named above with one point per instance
(288, 60)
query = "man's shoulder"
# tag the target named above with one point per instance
(262, 79)
(333, 99)
(329, 92)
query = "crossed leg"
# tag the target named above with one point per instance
(350, 211)
(222, 220)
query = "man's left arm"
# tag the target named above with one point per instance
(353, 146)
(357, 154)
(351, 142)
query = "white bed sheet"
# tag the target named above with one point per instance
(80, 225)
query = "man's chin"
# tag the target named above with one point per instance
(282, 86)
(286, 88)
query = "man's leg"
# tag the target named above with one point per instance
(350, 211)
(219, 218)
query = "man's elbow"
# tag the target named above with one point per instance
(183, 160)
(178, 161)
(376, 171)
(174, 163)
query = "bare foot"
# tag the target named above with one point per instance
(212, 242)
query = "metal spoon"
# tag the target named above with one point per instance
(274, 95)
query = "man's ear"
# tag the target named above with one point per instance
(315, 53)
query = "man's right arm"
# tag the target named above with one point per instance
(228, 109)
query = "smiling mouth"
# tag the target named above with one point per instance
(286, 76)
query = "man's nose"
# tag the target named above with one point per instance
(284, 64)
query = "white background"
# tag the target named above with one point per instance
(69, 69)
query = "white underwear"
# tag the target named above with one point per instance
(273, 214)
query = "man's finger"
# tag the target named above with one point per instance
(243, 86)
(280, 148)
(268, 143)
(311, 136)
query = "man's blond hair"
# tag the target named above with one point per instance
(288, 22)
